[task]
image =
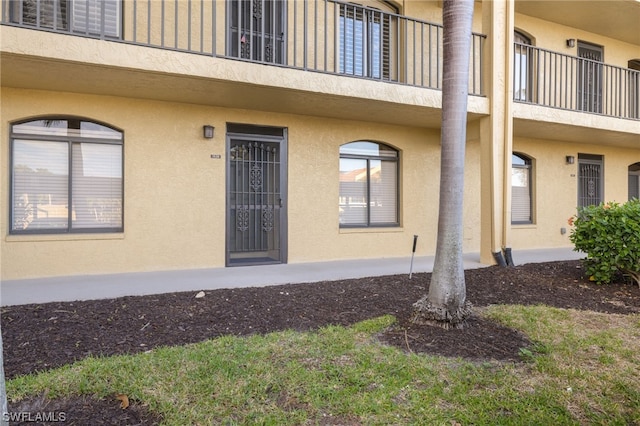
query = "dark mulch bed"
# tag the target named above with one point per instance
(40, 337)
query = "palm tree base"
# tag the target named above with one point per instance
(454, 317)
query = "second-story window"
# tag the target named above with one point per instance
(633, 82)
(257, 30)
(590, 77)
(365, 40)
(522, 84)
(90, 17)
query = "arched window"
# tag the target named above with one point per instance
(522, 74)
(634, 180)
(368, 185)
(66, 176)
(521, 189)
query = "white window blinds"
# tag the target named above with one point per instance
(89, 16)
(40, 185)
(364, 41)
(353, 191)
(67, 176)
(521, 190)
(368, 185)
(383, 203)
(97, 185)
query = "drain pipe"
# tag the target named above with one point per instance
(508, 141)
(507, 256)
(499, 258)
(503, 258)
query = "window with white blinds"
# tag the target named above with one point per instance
(67, 176)
(522, 68)
(365, 40)
(368, 185)
(521, 200)
(90, 17)
(96, 17)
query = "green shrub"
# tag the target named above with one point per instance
(609, 234)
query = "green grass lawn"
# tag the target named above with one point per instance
(583, 369)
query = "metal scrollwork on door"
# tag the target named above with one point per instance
(257, 9)
(256, 177)
(268, 55)
(591, 188)
(258, 29)
(590, 182)
(267, 219)
(255, 210)
(242, 219)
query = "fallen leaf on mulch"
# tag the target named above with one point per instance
(124, 400)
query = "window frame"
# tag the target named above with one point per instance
(523, 45)
(368, 158)
(62, 16)
(528, 166)
(384, 17)
(72, 140)
(634, 174)
(633, 83)
(590, 77)
(106, 32)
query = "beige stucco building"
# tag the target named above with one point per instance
(146, 135)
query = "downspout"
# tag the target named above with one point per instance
(508, 134)
(502, 26)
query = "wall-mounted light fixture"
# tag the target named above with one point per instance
(570, 159)
(571, 42)
(207, 131)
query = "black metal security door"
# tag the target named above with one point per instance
(257, 30)
(590, 189)
(256, 219)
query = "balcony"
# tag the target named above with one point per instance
(330, 37)
(323, 36)
(583, 84)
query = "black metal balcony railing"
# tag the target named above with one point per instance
(556, 80)
(327, 36)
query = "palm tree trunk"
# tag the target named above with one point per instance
(446, 304)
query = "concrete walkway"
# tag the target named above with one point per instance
(87, 287)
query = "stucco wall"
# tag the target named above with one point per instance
(175, 191)
(174, 206)
(552, 36)
(556, 187)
